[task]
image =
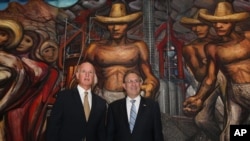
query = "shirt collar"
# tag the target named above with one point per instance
(82, 90)
(138, 98)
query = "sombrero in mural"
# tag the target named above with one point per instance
(118, 14)
(224, 13)
(194, 19)
(14, 31)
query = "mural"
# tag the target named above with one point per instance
(194, 57)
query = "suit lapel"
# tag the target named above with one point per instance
(124, 114)
(141, 111)
(94, 104)
(79, 104)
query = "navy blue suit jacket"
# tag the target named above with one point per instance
(147, 125)
(67, 120)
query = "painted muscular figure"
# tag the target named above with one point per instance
(113, 57)
(232, 57)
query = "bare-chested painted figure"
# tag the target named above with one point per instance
(232, 57)
(196, 61)
(113, 57)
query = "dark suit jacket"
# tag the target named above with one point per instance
(67, 121)
(147, 125)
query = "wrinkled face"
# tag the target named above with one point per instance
(85, 75)
(223, 28)
(201, 30)
(117, 31)
(49, 54)
(132, 85)
(26, 44)
(3, 37)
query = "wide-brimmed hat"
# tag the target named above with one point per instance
(14, 30)
(118, 14)
(224, 13)
(194, 19)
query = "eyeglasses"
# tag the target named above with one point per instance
(133, 81)
(86, 72)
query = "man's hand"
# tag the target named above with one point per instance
(192, 106)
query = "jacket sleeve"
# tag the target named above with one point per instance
(55, 119)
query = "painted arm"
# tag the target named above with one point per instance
(193, 104)
(151, 83)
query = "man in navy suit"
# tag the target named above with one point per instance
(147, 125)
(69, 119)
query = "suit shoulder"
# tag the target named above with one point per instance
(64, 92)
(115, 103)
(149, 101)
(101, 100)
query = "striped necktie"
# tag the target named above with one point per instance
(132, 116)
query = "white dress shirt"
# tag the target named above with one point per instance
(81, 92)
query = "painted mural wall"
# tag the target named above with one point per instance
(195, 46)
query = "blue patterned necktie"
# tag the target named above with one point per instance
(132, 116)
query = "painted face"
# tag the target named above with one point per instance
(132, 85)
(85, 75)
(223, 28)
(50, 54)
(200, 30)
(3, 37)
(26, 44)
(117, 31)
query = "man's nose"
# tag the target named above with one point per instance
(115, 27)
(87, 74)
(217, 25)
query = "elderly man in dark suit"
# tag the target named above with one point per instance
(134, 118)
(78, 114)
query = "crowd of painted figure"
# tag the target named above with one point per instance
(28, 80)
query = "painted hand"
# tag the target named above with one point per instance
(148, 89)
(192, 106)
